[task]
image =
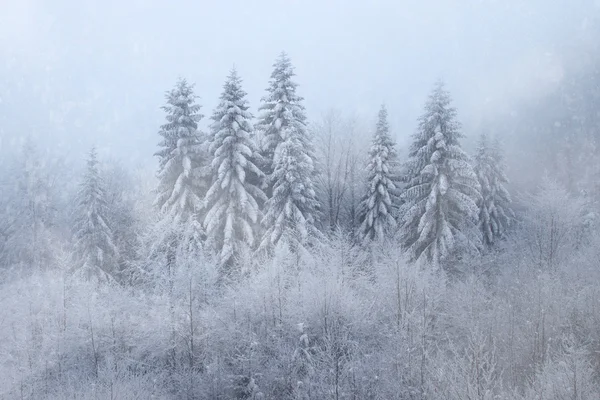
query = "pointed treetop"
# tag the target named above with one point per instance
(283, 56)
(93, 157)
(439, 88)
(282, 68)
(382, 120)
(280, 85)
(92, 172)
(233, 79)
(182, 96)
(233, 101)
(281, 110)
(438, 122)
(182, 84)
(382, 143)
(232, 88)
(439, 98)
(181, 120)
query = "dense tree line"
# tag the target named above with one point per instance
(276, 258)
(253, 189)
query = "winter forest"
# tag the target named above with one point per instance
(269, 255)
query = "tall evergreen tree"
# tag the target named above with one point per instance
(281, 110)
(233, 198)
(94, 239)
(183, 178)
(291, 209)
(495, 213)
(439, 216)
(183, 174)
(377, 205)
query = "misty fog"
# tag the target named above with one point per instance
(300, 199)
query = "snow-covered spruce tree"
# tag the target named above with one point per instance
(439, 214)
(232, 200)
(183, 174)
(495, 213)
(280, 111)
(376, 210)
(96, 251)
(292, 207)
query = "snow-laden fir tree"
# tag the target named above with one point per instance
(183, 177)
(183, 171)
(281, 110)
(376, 210)
(439, 215)
(233, 213)
(288, 149)
(95, 248)
(495, 213)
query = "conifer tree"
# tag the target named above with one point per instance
(288, 150)
(439, 215)
(280, 111)
(233, 212)
(377, 205)
(183, 172)
(495, 213)
(94, 239)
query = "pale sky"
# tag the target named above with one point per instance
(77, 73)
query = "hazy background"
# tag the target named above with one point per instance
(77, 73)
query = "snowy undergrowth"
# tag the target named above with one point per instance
(329, 326)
